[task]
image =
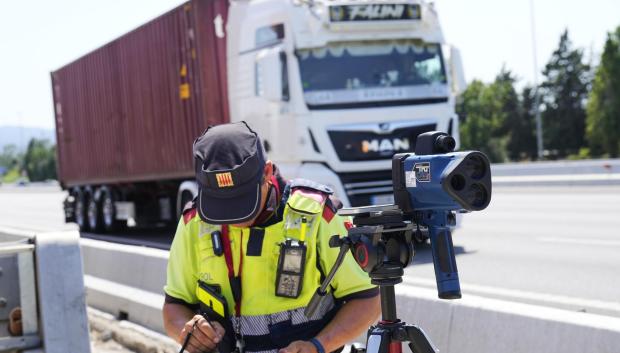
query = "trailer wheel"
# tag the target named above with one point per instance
(80, 209)
(94, 215)
(108, 210)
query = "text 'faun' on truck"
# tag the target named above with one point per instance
(334, 88)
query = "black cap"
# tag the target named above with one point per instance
(229, 161)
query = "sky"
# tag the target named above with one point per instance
(39, 36)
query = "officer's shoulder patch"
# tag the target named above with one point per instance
(321, 196)
(309, 184)
(189, 211)
(307, 196)
(332, 205)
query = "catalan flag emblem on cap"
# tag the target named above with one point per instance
(224, 180)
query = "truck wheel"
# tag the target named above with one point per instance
(80, 210)
(108, 211)
(94, 215)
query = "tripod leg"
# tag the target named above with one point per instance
(418, 341)
(378, 341)
(396, 347)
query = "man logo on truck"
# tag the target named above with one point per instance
(385, 145)
(224, 180)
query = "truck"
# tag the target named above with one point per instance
(334, 88)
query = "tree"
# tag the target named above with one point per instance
(9, 157)
(509, 124)
(475, 127)
(488, 113)
(522, 128)
(564, 92)
(40, 160)
(603, 118)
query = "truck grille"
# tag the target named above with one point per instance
(370, 145)
(362, 187)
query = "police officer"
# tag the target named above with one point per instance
(249, 253)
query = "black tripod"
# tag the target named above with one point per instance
(390, 332)
(382, 244)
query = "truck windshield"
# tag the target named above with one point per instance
(350, 74)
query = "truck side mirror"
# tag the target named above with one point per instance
(270, 70)
(457, 75)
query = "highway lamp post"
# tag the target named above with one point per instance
(539, 137)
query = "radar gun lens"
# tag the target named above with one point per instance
(475, 167)
(477, 195)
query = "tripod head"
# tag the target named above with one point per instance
(381, 242)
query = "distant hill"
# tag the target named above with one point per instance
(20, 137)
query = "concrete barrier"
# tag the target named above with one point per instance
(584, 167)
(481, 325)
(557, 173)
(126, 281)
(130, 279)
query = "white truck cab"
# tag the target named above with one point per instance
(335, 88)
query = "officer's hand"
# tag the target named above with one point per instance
(205, 335)
(299, 347)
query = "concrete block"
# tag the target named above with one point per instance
(126, 279)
(140, 306)
(134, 266)
(481, 325)
(60, 284)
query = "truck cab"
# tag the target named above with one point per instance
(335, 88)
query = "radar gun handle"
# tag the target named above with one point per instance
(446, 273)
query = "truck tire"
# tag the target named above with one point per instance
(81, 209)
(108, 210)
(95, 222)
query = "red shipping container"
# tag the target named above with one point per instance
(130, 110)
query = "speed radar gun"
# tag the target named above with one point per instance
(430, 185)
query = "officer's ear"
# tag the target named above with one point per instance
(268, 171)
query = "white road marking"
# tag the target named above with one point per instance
(525, 295)
(583, 241)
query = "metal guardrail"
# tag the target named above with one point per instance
(17, 264)
(42, 276)
(15, 248)
(557, 173)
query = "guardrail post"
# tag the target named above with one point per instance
(62, 297)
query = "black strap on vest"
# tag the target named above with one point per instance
(255, 242)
